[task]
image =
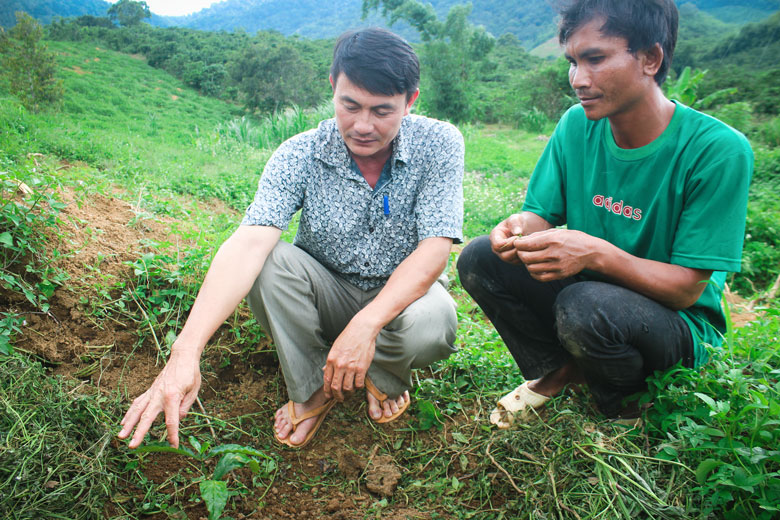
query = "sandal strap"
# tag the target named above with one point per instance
(295, 420)
(376, 392)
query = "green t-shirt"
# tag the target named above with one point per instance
(681, 199)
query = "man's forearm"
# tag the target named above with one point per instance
(410, 281)
(674, 286)
(230, 277)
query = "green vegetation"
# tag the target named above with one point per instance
(129, 12)
(173, 168)
(28, 66)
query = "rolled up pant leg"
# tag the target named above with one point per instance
(618, 338)
(305, 307)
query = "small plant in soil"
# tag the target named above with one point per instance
(214, 489)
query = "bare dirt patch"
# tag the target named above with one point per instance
(78, 70)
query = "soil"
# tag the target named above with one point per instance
(104, 234)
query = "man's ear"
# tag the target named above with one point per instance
(411, 101)
(653, 58)
(332, 83)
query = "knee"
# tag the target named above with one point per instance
(423, 333)
(577, 316)
(277, 261)
(472, 262)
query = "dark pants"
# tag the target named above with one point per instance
(616, 336)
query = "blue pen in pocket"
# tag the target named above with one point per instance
(386, 202)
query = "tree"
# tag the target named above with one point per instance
(28, 66)
(273, 75)
(453, 56)
(129, 12)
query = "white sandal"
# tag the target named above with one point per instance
(520, 399)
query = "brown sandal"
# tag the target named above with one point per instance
(321, 410)
(382, 397)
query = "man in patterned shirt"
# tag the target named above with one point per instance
(354, 301)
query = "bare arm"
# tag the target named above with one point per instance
(353, 351)
(560, 253)
(232, 273)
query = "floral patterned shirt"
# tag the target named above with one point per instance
(359, 232)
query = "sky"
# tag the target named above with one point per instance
(176, 7)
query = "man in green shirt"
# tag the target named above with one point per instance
(653, 197)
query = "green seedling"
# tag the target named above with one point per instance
(214, 490)
(509, 244)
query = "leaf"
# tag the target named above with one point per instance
(705, 468)
(460, 437)
(236, 448)
(195, 444)
(707, 399)
(427, 415)
(7, 239)
(228, 463)
(215, 495)
(5, 346)
(154, 447)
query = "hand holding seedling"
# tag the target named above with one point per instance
(555, 254)
(173, 392)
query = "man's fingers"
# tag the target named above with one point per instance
(348, 383)
(360, 379)
(133, 414)
(171, 403)
(186, 403)
(147, 418)
(335, 385)
(327, 377)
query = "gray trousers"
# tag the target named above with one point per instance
(305, 306)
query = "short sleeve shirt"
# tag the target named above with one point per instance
(681, 199)
(359, 232)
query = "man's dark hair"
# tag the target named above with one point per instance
(378, 61)
(643, 23)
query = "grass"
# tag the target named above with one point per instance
(709, 448)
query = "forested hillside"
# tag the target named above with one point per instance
(46, 10)
(532, 21)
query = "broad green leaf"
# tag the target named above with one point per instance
(5, 346)
(705, 468)
(236, 448)
(215, 495)
(7, 239)
(707, 399)
(155, 447)
(228, 463)
(427, 415)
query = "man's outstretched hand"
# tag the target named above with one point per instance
(173, 392)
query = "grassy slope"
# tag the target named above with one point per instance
(130, 133)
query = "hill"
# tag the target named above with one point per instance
(46, 10)
(533, 21)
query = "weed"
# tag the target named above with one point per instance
(214, 490)
(55, 455)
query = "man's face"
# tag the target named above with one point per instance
(608, 79)
(367, 122)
